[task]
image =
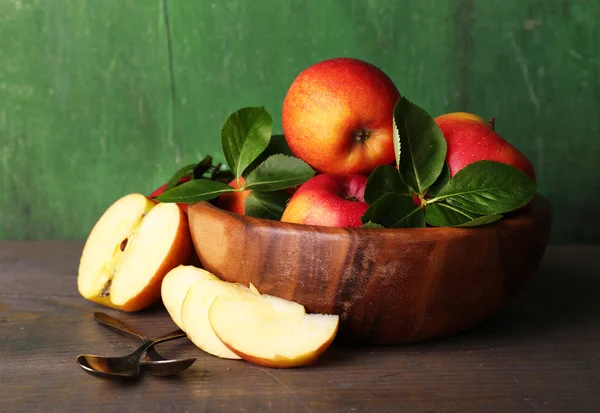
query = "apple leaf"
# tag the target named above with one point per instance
(184, 171)
(277, 145)
(371, 224)
(244, 136)
(445, 215)
(268, 205)
(195, 191)
(395, 211)
(279, 172)
(202, 167)
(487, 188)
(439, 183)
(385, 179)
(482, 220)
(423, 145)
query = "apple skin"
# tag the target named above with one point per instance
(234, 201)
(329, 107)
(324, 200)
(470, 139)
(159, 191)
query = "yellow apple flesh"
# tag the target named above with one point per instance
(197, 302)
(130, 250)
(271, 335)
(175, 286)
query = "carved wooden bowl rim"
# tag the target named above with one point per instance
(539, 208)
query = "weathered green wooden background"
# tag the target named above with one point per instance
(99, 98)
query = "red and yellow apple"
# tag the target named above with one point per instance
(130, 250)
(338, 116)
(470, 139)
(234, 201)
(329, 200)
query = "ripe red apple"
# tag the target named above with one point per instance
(234, 201)
(329, 200)
(159, 191)
(338, 116)
(470, 139)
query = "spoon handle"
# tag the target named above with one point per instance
(118, 325)
(171, 336)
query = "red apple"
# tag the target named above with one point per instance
(470, 139)
(329, 200)
(234, 201)
(338, 116)
(159, 191)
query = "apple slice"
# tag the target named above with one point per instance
(175, 286)
(129, 251)
(194, 312)
(271, 335)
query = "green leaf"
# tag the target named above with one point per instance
(371, 224)
(202, 166)
(487, 187)
(277, 145)
(439, 183)
(445, 215)
(244, 136)
(423, 145)
(383, 180)
(268, 205)
(482, 220)
(395, 211)
(279, 172)
(195, 191)
(181, 172)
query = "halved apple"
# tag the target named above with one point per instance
(268, 334)
(175, 286)
(194, 311)
(129, 251)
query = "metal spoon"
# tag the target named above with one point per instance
(128, 367)
(153, 362)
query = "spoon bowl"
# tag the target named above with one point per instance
(153, 362)
(128, 367)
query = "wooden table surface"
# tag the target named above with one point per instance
(541, 354)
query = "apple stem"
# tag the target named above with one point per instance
(492, 123)
(361, 135)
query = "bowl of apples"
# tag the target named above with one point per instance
(368, 220)
(401, 253)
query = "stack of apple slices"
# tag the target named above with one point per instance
(233, 321)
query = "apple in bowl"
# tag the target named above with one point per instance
(337, 116)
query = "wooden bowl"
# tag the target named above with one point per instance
(388, 286)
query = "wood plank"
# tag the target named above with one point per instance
(85, 112)
(539, 354)
(111, 92)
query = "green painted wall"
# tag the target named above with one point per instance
(103, 97)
